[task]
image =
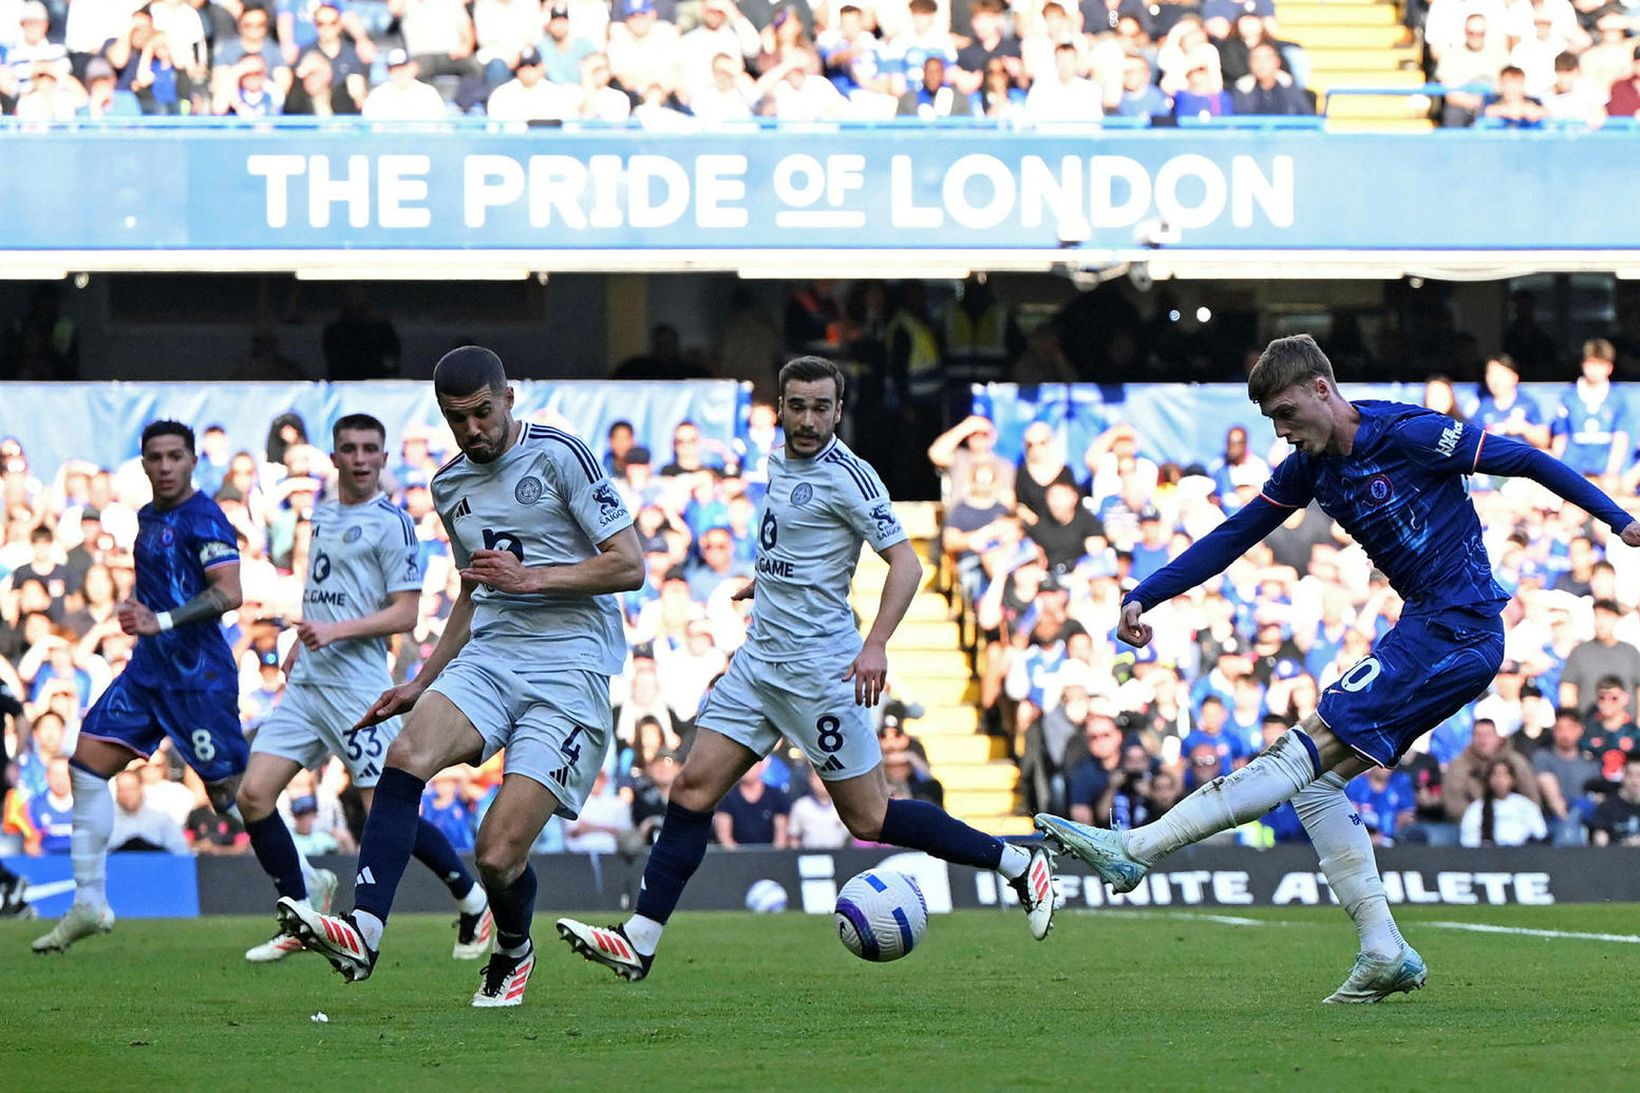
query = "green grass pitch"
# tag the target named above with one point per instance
(1143, 1000)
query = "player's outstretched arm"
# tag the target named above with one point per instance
(457, 629)
(1205, 558)
(870, 669)
(1507, 456)
(618, 567)
(220, 594)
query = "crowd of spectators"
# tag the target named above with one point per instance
(66, 561)
(1041, 551)
(665, 63)
(1522, 63)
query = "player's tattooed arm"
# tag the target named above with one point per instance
(220, 594)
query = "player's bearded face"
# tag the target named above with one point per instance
(482, 423)
(809, 412)
(169, 466)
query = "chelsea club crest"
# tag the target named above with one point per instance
(528, 490)
(352, 535)
(802, 493)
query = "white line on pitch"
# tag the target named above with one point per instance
(1189, 916)
(1484, 928)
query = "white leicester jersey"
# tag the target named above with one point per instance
(547, 500)
(815, 515)
(358, 557)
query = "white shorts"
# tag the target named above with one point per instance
(314, 720)
(555, 725)
(757, 702)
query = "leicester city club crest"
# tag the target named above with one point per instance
(802, 493)
(352, 535)
(528, 490)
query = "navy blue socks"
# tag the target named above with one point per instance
(514, 908)
(920, 825)
(673, 860)
(391, 832)
(276, 850)
(434, 851)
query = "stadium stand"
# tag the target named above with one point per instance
(669, 66)
(1008, 693)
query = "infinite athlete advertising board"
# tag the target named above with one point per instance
(1223, 878)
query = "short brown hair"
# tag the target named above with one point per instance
(1285, 362)
(808, 369)
(1600, 349)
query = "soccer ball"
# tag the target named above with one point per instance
(766, 897)
(881, 916)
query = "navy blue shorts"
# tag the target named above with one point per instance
(203, 725)
(1427, 668)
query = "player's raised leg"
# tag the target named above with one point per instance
(715, 763)
(521, 809)
(292, 875)
(1121, 859)
(436, 735)
(1385, 963)
(475, 923)
(95, 761)
(865, 808)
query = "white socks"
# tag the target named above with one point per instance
(474, 901)
(93, 824)
(1227, 802)
(1345, 849)
(1015, 860)
(370, 928)
(644, 933)
(310, 876)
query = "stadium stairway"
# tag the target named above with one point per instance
(1359, 44)
(927, 665)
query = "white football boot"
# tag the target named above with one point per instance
(606, 945)
(503, 980)
(1036, 891)
(1374, 978)
(81, 921)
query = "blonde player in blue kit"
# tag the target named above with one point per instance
(363, 584)
(804, 673)
(1393, 476)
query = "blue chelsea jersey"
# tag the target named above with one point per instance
(175, 548)
(1401, 493)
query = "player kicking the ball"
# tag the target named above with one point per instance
(181, 682)
(1393, 476)
(804, 674)
(543, 542)
(364, 580)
